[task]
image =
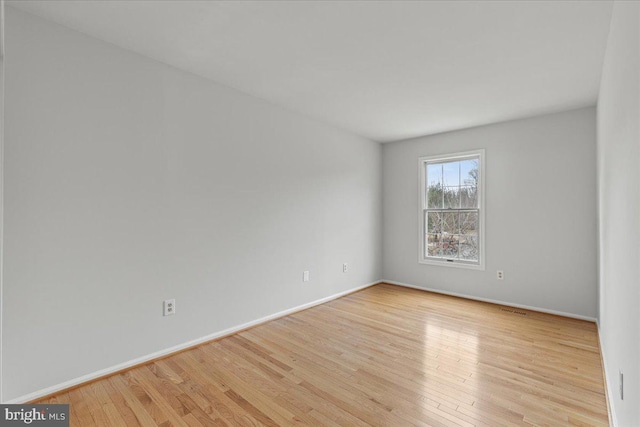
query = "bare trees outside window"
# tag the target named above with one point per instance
(451, 208)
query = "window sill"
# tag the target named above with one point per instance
(454, 264)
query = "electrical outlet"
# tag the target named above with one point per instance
(169, 307)
(621, 385)
(500, 275)
(305, 276)
(345, 267)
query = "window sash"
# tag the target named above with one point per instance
(443, 161)
(426, 234)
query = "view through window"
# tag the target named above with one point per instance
(451, 208)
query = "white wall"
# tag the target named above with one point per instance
(129, 182)
(540, 212)
(619, 210)
(1, 171)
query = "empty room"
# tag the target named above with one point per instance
(322, 213)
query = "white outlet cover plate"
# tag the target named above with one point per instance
(169, 306)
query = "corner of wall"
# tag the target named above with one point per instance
(608, 392)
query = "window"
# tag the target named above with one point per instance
(452, 210)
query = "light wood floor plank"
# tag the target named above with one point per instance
(384, 356)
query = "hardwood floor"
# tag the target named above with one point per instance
(385, 356)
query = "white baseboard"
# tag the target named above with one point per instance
(128, 364)
(493, 301)
(613, 420)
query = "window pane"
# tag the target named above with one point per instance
(434, 245)
(450, 223)
(450, 245)
(434, 174)
(468, 247)
(434, 185)
(469, 172)
(451, 197)
(451, 174)
(434, 222)
(468, 197)
(469, 223)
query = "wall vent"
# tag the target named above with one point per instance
(513, 310)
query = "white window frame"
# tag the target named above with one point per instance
(422, 205)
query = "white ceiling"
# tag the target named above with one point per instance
(387, 70)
